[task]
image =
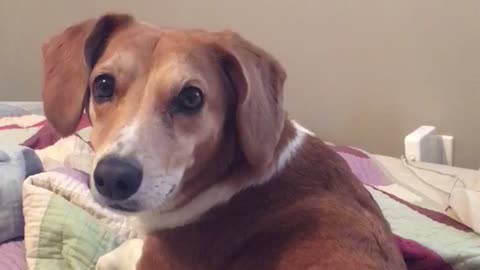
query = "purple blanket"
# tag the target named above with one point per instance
(12, 256)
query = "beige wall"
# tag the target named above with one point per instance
(360, 72)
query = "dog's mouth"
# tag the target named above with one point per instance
(127, 209)
(132, 206)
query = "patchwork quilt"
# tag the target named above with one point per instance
(66, 229)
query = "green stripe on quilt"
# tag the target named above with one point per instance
(70, 238)
(460, 249)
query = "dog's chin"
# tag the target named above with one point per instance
(126, 207)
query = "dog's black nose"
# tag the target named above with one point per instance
(117, 178)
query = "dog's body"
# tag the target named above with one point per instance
(191, 137)
(312, 214)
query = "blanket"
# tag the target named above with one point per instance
(66, 229)
(16, 164)
(427, 237)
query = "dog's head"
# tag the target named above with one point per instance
(173, 112)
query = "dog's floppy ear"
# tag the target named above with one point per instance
(67, 60)
(258, 82)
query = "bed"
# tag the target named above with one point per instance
(66, 229)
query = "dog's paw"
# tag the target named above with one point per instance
(125, 257)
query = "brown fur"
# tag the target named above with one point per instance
(312, 214)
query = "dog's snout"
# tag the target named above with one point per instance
(117, 178)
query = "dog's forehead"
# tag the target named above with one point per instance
(145, 39)
(144, 49)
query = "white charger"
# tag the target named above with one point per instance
(425, 145)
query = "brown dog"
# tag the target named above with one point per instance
(192, 140)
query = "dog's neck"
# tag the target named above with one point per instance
(291, 140)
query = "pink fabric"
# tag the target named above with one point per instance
(12, 256)
(418, 257)
(47, 136)
(362, 166)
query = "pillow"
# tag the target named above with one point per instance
(16, 164)
(12, 111)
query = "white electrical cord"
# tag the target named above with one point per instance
(83, 140)
(455, 177)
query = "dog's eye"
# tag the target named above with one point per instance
(189, 100)
(103, 88)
